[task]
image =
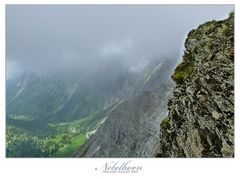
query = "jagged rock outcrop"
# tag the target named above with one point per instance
(200, 122)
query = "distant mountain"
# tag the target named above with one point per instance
(110, 102)
(131, 128)
(64, 96)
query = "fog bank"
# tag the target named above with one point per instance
(43, 38)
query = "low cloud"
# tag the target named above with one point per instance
(43, 38)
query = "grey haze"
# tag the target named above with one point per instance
(43, 38)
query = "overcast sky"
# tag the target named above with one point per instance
(47, 37)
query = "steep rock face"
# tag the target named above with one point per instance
(131, 127)
(200, 122)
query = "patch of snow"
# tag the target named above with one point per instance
(116, 105)
(90, 133)
(156, 68)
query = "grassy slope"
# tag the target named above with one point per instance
(69, 149)
(67, 137)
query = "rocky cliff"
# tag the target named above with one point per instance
(200, 122)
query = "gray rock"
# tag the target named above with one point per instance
(131, 128)
(203, 125)
(216, 115)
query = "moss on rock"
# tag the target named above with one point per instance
(183, 70)
(164, 123)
